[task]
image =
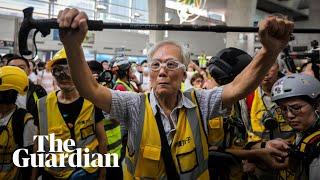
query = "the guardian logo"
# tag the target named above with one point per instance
(62, 154)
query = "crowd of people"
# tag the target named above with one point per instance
(238, 118)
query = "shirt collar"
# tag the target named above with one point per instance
(183, 102)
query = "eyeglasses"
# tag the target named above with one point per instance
(171, 64)
(60, 69)
(294, 109)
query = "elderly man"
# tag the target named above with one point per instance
(166, 127)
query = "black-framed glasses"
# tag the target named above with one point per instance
(171, 64)
(294, 109)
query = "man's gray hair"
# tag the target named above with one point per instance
(183, 54)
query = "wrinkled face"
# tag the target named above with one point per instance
(271, 77)
(166, 81)
(62, 75)
(298, 113)
(20, 64)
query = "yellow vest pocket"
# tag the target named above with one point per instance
(187, 161)
(152, 152)
(87, 131)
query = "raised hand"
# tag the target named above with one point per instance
(275, 33)
(73, 27)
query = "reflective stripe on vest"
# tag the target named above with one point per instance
(113, 133)
(189, 153)
(35, 96)
(129, 88)
(7, 147)
(84, 128)
(257, 128)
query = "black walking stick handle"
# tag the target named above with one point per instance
(43, 26)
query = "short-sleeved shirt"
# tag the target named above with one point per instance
(125, 107)
(29, 129)
(71, 111)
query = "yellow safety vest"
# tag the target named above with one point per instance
(257, 127)
(113, 134)
(215, 131)
(189, 147)
(220, 137)
(129, 88)
(51, 121)
(7, 147)
(182, 87)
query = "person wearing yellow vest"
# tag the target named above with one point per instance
(227, 135)
(266, 121)
(298, 97)
(112, 128)
(70, 116)
(125, 76)
(16, 125)
(126, 81)
(35, 91)
(166, 131)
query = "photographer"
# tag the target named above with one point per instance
(126, 80)
(266, 122)
(298, 97)
(227, 135)
(104, 77)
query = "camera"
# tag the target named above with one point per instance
(269, 122)
(105, 77)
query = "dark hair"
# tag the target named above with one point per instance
(41, 64)
(17, 57)
(7, 56)
(195, 76)
(8, 96)
(104, 61)
(122, 73)
(142, 62)
(95, 66)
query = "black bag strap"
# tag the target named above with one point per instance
(171, 170)
(18, 124)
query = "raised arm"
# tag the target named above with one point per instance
(74, 24)
(274, 36)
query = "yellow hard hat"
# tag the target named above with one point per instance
(12, 77)
(59, 56)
